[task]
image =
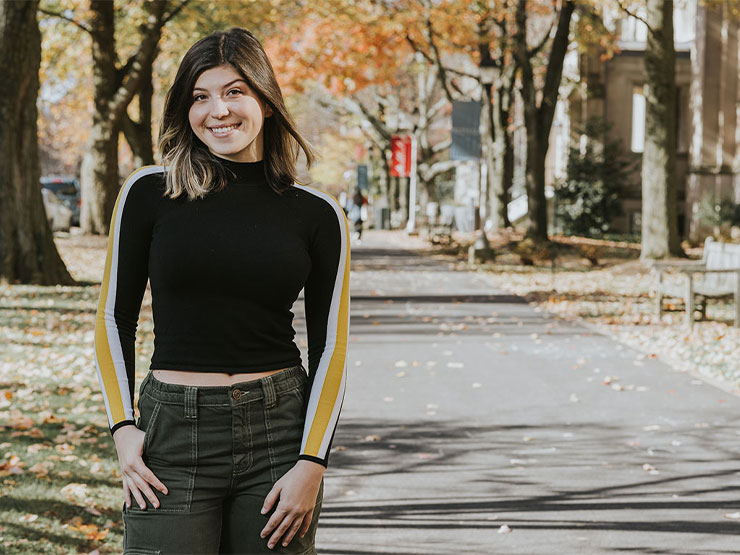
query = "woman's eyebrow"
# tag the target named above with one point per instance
(226, 85)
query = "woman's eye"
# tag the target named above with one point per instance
(198, 97)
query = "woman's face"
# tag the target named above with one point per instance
(227, 115)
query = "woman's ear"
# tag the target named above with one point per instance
(268, 110)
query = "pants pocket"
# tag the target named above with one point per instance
(170, 452)
(148, 413)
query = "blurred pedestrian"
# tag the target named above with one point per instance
(355, 213)
(233, 432)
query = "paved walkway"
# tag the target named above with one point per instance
(469, 412)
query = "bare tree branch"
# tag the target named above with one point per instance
(430, 171)
(429, 58)
(632, 13)
(434, 110)
(442, 145)
(446, 84)
(174, 12)
(64, 17)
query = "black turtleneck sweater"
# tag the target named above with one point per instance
(224, 272)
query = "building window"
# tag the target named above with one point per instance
(638, 120)
(633, 30)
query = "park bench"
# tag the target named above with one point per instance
(715, 276)
(439, 228)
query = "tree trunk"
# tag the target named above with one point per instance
(393, 194)
(113, 90)
(27, 250)
(538, 118)
(488, 202)
(403, 199)
(504, 176)
(659, 215)
(99, 170)
(139, 133)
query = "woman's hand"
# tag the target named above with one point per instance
(296, 490)
(129, 442)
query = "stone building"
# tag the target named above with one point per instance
(708, 161)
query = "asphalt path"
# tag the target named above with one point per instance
(474, 423)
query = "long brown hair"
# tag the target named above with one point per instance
(192, 168)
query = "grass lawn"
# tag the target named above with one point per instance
(60, 484)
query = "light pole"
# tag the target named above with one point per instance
(411, 223)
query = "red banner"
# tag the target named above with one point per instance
(401, 155)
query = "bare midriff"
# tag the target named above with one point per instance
(183, 377)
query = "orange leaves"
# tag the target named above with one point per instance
(18, 421)
(35, 433)
(346, 47)
(91, 531)
(41, 469)
(14, 465)
(75, 493)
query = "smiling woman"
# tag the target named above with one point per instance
(215, 89)
(228, 116)
(233, 431)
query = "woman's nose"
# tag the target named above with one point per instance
(219, 108)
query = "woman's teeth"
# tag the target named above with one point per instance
(223, 130)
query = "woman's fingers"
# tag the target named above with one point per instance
(137, 477)
(288, 537)
(273, 522)
(126, 493)
(137, 495)
(283, 527)
(270, 499)
(151, 478)
(306, 523)
(144, 488)
(138, 480)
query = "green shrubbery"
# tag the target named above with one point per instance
(718, 212)
(588, 199)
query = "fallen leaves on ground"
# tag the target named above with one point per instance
(619, 300)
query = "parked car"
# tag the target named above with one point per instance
(57, 212)
(67, 189)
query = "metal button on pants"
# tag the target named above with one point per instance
(219, 450)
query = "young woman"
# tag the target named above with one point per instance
(233, 438)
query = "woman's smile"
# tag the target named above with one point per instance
(224, 130)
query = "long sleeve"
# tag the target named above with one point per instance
(121, 292)
(326, 295)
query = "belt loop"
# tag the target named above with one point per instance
(268, 390)
(191, 402)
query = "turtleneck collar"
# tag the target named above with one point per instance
(246, 172)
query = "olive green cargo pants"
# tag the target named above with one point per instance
(219, 450)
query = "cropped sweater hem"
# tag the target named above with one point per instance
(215, 368)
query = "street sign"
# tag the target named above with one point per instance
(465, 133)
(401, 155)
(362, 183)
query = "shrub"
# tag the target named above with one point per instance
(588, 198)
(716, 212)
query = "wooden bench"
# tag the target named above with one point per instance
(439, 229)
(718, 277)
